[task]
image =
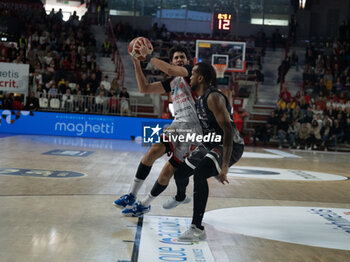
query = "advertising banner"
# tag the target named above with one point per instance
(14, 77)
(74, 125)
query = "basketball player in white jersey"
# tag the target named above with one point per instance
(185, 116)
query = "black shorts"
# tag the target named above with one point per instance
(215, 154)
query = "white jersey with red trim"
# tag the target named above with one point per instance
(183, 101)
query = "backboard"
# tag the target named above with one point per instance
(222, 52)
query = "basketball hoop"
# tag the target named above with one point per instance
(220, 70)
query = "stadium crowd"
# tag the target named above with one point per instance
(318, 116)
(64, 74)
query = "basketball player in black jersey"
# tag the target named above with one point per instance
(210, 158)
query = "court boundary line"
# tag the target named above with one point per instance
(136, 248)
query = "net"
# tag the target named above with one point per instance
(220, 70)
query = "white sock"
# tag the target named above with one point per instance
(147, 200)
(135, 186)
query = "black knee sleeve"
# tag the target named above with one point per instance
(143, 171)
(181, 177)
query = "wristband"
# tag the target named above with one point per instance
(149, 57)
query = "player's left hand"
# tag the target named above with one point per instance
(223, 175)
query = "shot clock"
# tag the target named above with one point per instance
(221, 22)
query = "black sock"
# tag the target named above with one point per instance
(157, 189)
(143, 171)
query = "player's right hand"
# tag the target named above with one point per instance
(143, 48)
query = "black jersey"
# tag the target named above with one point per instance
(208, 121)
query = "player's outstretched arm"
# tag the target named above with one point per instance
(170, 70)
(142, 82)
(217, 104)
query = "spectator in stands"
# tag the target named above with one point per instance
(115, 86)
(325, 134)
(62, 87)
(124, 106)
(309, 56)
(22, 41)
(106, 48)
(124, 93)
(308, 115)
(320, 104)
(91, 64)
(347, 131)
(67, 100)
(32, 102)
(37, 79)
(285, 95)
(98, 73)
(90, 103)
(315, 135)
(279, 110)
(347, 112)
(83, 82)
(73, 17)
(276, 38)
(76, 89)
(101, 89)
(53, 91)
(18, 60)
(106, 83)
(113, 104)
(3, 52)
(319, 119)
(342, 31)
(336, 133)
(94, 83)
(297, 114)
(293, 131)
(17, 103)
(272, 123)
(264, 132)
(238, 116)
(331, 112)
(78, 103)
(317, 112)
(282, 129)
(347, 87)
(338, 87)
(304, 135)
(101, 102)
(341, 119)
(8, 101)
(293, 28)
(293, 60)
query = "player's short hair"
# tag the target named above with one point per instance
(178, 48)
(207, 71)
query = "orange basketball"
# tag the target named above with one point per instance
(135, 43)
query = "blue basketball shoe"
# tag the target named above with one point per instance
(137, 210)
(124, 201)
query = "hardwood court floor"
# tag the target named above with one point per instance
(73, 219)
